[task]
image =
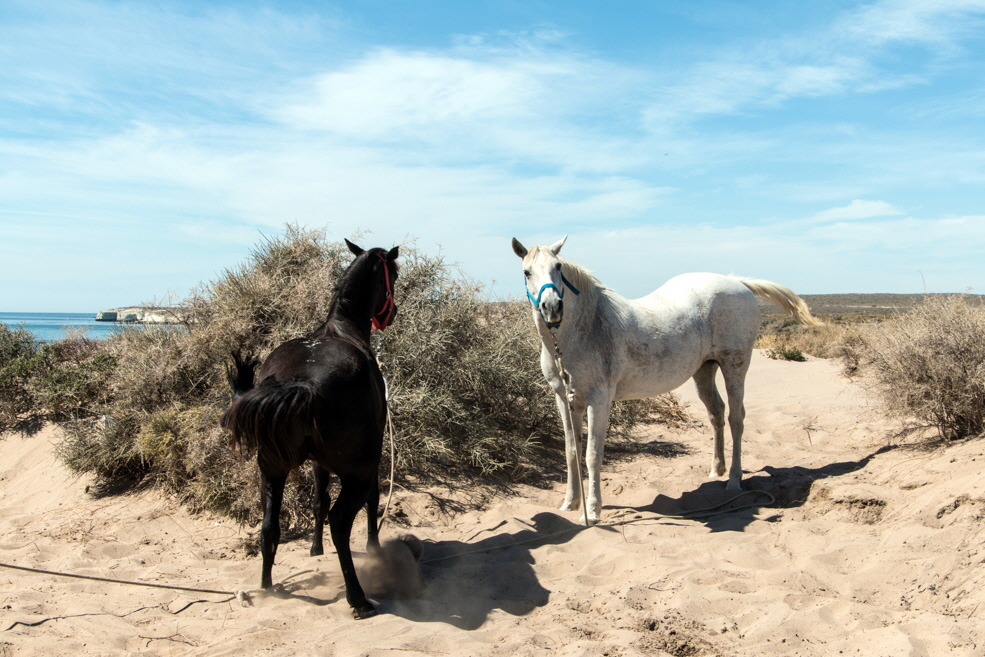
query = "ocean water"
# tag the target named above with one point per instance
(51, 327)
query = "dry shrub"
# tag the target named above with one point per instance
(169, 386)
(466, 388)
(928, 364)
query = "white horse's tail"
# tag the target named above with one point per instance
(782, 297)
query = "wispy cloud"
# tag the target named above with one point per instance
(857, 209)
(391, 95)
(816, 62)
(937, 24)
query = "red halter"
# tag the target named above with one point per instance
(384, 315)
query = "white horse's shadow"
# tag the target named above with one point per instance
(779, 488)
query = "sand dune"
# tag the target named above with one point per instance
(852, 545)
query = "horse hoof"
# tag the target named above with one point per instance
(363, 612)
(570, 506)
(733, 485)
(317, 551)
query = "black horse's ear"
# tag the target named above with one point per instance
(519, 249)
(352, 247)
(393, 254)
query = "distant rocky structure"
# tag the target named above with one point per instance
(141, 315)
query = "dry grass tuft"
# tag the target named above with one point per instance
(784, 339)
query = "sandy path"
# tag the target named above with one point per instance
(867, 550)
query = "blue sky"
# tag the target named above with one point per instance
(831, 147)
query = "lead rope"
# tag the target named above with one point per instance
(393, 466)
(568, 393)
(389, 432)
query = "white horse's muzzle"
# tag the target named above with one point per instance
(552, 310)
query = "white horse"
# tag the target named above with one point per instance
(614, 348)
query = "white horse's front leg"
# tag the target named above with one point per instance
(572, 443)
(598, 424)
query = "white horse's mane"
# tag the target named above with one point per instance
(583, 279)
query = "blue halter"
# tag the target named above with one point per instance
(560, 292)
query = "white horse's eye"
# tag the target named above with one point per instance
(526, 272)
(558, 266)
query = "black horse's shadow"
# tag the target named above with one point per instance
(723, 510)
(467, 581)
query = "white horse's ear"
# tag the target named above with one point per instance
(556, 247)
(519, 249)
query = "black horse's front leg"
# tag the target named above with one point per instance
(273, 494)
(322, 502)
(352, 495)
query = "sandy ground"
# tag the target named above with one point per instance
(862, 547)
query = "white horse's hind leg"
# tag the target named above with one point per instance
(704, 381)
(598, 425)
(572, 444)
(735, 385)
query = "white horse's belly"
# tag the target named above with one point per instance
(672, 332)
(657, 362)
(657, 378)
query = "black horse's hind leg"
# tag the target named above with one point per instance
(322, 501)
(352, 495)
(372, 516)
(270, 530)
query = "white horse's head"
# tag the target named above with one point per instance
(544, 280)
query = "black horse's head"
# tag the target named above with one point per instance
(375, 272)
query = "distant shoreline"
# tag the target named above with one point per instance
(141, 315)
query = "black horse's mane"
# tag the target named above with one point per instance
(342, 292)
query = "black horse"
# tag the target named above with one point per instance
(323, 397)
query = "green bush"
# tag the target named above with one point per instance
(784, 352)
(18, 363)
(73, 384)
(42, 382)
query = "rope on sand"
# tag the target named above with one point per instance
(242, 596)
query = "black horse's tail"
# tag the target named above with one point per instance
(272, 419)
(241, 374)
